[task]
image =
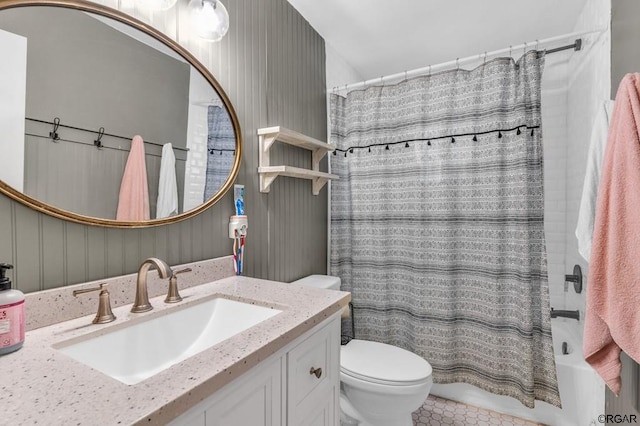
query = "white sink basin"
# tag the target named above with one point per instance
(138, 351)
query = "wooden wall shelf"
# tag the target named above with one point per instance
(268, 173)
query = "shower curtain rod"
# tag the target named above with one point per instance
(577, 45)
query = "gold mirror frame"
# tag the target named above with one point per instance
(147, 29)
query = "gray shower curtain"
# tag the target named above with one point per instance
(221, 145)
(441, 240)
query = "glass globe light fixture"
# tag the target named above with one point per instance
(209, 18)
(156, 4)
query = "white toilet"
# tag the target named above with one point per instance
(380, 384)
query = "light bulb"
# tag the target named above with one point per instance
(209, 18)
(156, 4)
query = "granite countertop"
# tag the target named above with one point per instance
(40, 385)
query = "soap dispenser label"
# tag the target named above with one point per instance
(11, 324)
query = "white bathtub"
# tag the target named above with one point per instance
(581, 389)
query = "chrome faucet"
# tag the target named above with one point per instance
(141, 303)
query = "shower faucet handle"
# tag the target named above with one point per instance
(576, 279)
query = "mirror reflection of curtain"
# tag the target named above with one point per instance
(441, 241)
(221, 144)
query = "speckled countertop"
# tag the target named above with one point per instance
(39, 385)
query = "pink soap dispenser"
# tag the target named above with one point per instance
(11, 314)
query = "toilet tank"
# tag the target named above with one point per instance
(320, 281)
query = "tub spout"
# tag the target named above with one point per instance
(565, 314)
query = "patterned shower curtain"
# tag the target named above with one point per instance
(221, 145)
(440, 237)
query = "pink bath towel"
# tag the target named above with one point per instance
(133, 203)
(612, 319)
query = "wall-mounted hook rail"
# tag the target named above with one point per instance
(98, 141)
(54, 134)
(56, 124)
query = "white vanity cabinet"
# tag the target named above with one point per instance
(297, 386)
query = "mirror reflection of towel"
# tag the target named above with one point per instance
(133, 203)
(167, 185)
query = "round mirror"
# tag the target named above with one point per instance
(106, 121)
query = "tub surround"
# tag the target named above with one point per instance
(48, 307)
(46, 385)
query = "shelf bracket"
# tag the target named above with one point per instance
(268, 142)
(266, 179)
(318, 183)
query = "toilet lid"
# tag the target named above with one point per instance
(382, 363)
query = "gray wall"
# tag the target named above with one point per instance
(82, 179)
(625, 35)
(271, 64)
(91, 75)
(625, 38)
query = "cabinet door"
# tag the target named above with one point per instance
(254, 399)
(320, 409)
(313, 378)
(257, 401)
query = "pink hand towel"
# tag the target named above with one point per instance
(612, 319)
(133, 203)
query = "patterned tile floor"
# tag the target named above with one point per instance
(439, 412)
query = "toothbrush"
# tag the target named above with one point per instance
(235, 253)
(241, 252)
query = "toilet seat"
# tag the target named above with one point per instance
(383, 364)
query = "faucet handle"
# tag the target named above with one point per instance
(104, 314)
(172, 295)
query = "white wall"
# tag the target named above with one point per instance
(554, 139)
(589, 86)
(339, 72)
(13, 90)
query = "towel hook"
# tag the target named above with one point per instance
(54, 134)
(98, 142)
